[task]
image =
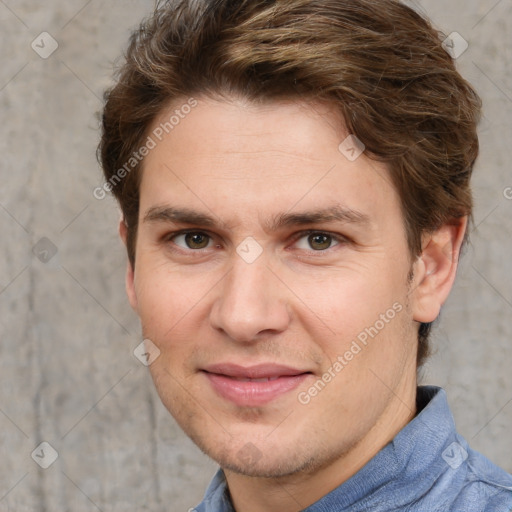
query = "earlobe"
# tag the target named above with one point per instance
(435, 269)
(130, 271)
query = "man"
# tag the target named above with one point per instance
(294, 182)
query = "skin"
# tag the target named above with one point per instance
(300, 303)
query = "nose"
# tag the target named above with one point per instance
(251, 302)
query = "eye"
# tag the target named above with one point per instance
(317, 241)
(192, 240)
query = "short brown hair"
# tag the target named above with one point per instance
(378, 62)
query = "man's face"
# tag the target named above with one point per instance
(264, 257)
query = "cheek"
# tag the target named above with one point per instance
(157, 303)
(173, 309)
(360, 317)
(164, 294)
(350, 297)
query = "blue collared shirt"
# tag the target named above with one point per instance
(427, 467)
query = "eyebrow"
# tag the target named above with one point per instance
(188, 216)
(332, 214)
(179, 215)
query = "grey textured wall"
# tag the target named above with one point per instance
(68, 375)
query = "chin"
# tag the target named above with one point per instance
(258, 459)
(276, 467)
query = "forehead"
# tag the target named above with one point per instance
(259, 159)
(241, 126)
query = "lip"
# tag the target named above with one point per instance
(254, 385)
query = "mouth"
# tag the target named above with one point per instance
(255, 385)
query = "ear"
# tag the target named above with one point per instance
(130, 271)
(435, 269)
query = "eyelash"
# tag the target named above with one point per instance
(341, 240)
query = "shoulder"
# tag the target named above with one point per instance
(488, 483)
(477, 485)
